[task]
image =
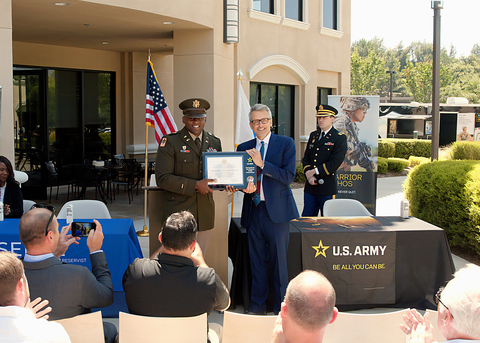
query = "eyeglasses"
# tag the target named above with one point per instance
(438, 300)
(48, 207)
(257, 121)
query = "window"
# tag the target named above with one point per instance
(263, 6)
(294, 9)
(280, 100)
(322, 95)
(330, 14)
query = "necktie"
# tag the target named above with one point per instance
(256, 196)
(198, 143)
(323, 134)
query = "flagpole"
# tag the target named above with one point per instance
(239, 74)
(145, 232)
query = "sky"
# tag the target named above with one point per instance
(412, 20)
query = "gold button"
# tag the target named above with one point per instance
(314, 160)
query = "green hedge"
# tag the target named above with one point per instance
(397, 164)
(382, 167)
(465, 151)
(300, 175)
(404, 148)
(386, 148)
(447, 194)
(415, 160)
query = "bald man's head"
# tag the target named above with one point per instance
(33, 225)
(310, 299)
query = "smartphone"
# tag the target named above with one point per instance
(82, 229)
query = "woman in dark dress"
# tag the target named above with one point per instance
(10, 193)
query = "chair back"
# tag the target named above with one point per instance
(27, 205)
(344, 208)
(134, 328)
(247, 328)
(85, 209)
(20, 177)
(84, 328)
(363, 328)
(433, 320)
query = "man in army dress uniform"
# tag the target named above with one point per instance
(358, 152)
(179, 169)
(325, 152)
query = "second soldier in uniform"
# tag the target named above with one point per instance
(325, 152)
(179, 169)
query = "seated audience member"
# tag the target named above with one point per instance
(177, 282)
(308, 307)
(10, 193)
(458, 311)
(71, 289)
(20, 320)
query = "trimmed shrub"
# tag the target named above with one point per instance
(404, 148)
(415, 160)
(465, 151)
(300, 175)
(397, 164)
(382, 167)
(447, 194)
(386, 148)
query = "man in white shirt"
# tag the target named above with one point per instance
(458, 311)
(20, 320)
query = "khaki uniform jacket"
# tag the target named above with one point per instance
(178, 167)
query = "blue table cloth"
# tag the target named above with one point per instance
(120, 245)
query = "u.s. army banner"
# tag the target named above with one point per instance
(357, 118)
(357, 255)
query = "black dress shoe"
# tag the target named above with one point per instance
(262, 313)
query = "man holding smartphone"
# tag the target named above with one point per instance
(71, 289)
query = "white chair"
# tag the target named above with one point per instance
(27, 205)
(433, 320)
(84, 328)
(85, 209)
(20, 177)
(344, 208)
(371, 328)
(134, 328)
(247, 328)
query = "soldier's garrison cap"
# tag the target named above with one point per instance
(194, 108)
(326, 110)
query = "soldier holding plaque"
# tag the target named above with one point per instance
(179, 169)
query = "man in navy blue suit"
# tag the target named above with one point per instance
(268, 207)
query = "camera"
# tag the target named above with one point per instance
(82, 229)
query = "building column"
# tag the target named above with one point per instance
(204, 68)
(6, 81)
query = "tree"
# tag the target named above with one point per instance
(417, 78)
(367, 74)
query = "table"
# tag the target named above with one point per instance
(120, 245)
(408, 260)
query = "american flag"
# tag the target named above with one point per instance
(158, 114)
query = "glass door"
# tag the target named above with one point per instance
(29, 125)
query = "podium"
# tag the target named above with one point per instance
(217, 254)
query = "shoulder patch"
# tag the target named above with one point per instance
(163, 142)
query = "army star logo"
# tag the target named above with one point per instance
(196, 103)
(249, 159)
(320, 249)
